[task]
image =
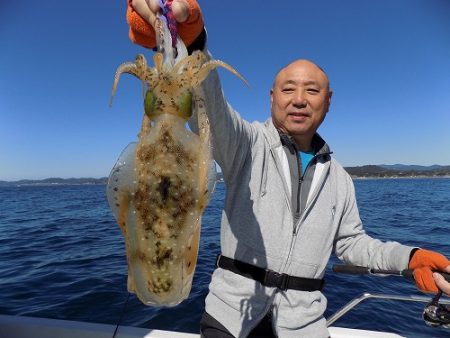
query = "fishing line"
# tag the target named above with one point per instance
(121, 315)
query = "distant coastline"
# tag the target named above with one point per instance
(398, 171)
(362, 172)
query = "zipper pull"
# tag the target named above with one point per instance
(296, 226)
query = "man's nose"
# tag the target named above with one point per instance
(299, 99)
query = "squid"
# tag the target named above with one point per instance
(162, 183)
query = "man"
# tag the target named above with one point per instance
(289, 204)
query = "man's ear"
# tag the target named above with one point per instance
(330, 94)
(271, 98)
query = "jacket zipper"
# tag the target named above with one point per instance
(297, 226)
(299, 188)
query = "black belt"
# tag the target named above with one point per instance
(269, 278)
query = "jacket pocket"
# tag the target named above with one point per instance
(301, 268)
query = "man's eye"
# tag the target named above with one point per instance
(312, 90)
(287, 90)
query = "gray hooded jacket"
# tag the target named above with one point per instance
(260, 227)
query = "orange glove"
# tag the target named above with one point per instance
(142, 33)
(424, 262)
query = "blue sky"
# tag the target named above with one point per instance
(388, 63)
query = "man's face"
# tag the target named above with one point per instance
(300, 99)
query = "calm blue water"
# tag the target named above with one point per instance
(62, 256)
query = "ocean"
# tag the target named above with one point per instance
(62, 256)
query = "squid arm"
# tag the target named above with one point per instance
(192, 62)
(210, 65)
(139, 69)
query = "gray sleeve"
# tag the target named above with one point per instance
(231, 134)
(355, 247)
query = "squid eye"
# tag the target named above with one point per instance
(185, 104)
(149, 103)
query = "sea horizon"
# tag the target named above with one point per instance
(373, 171)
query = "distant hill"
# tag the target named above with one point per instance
(56, 181)
(398, 170)
(414, 167)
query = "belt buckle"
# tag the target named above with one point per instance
(279, 280)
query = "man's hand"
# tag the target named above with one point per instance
(424, 262)
(441, 282)
(141, 17)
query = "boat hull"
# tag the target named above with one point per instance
(30, 327)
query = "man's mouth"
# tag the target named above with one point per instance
(298, 116)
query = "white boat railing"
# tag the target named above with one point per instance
(364, 296)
